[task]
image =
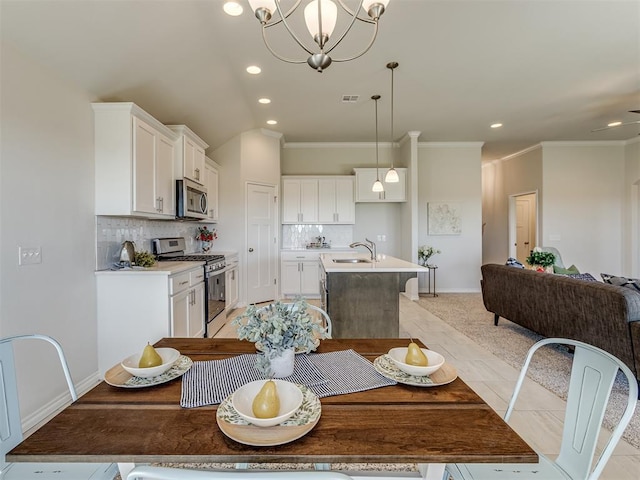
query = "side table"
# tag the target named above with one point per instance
(431, 273)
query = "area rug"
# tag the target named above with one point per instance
(510, 342)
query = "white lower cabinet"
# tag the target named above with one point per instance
(137, 307)
(232, 292)
(300, 274)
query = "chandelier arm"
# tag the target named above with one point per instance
(373, 39)
(278, 56)
(355, 14)
(283, 19)
(286, 15)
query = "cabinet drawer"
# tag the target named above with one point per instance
(299, 256)
(196, 276)
(179, 282)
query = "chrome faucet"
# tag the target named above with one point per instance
(369, 246)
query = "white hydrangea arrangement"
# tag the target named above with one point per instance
(279, 327)
(425, 252)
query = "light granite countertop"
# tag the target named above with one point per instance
(383, 263)
(160, 268)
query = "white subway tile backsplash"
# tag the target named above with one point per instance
(112, 231)
(298, 236)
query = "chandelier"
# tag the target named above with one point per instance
(377, 185)
(392, 174)
(320, 17)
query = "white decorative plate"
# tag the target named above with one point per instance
(445, 374)
(119, 377)
(302, 422)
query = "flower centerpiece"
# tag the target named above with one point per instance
(541, 261)
(206, 238)
(424, 253)
(279, 330)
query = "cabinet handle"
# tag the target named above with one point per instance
(162, 204)
(184, 283)
(197, 173)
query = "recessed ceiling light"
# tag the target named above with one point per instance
(232, 8)
(614, 124)
(496, 125)
(254, 69)
(264, 100)
(272, 122)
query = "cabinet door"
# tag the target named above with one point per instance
(165, 191)
(345, 204)
(396, 192)
(310, 278)
(364, 181)
(196, 312)
(309, 201)
(290, 201)
(290, 281)
(144, 153)
(180, 305)
(212, 191)
(188, 158)
(231, 288)
(327, 200)
(198, 164)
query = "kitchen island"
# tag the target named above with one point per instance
(362, 296)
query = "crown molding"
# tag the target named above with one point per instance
(450, 144)
(631, 141)
(584, 143)
(312, 145)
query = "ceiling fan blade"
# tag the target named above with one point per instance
(616, 126)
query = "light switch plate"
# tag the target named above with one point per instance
(29, 255)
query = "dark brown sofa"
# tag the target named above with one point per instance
(596, 313)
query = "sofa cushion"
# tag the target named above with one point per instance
(565, 271)
(582, 276)
(632, 283)
(512, 262)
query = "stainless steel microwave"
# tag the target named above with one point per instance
(191, 200)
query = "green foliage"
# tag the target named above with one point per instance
(144, 259)
(538, 257)
(279, 327)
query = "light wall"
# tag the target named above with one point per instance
(451, 173)
(47, 201)
(631, 215)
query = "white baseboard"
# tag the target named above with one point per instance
(35, 420)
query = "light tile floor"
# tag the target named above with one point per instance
(538, 414)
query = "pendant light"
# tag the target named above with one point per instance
(377, 185)
(392, 174)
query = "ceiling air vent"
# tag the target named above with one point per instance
(350, 98)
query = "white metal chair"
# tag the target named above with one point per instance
(11, 427)
(592, 376)
(164, 473)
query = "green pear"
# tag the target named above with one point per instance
(266, 404)
(149, 357)
(415, 356)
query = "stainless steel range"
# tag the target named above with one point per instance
(214, 286)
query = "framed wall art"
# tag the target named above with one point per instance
(444, 218)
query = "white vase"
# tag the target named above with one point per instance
(206, 246)
(282, 365)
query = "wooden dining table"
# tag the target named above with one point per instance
(396, 424)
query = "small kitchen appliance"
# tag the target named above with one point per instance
(127, 253)
(214, 271)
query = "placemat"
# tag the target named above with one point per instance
(210, 382)
(346, 371)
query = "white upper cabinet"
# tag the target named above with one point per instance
(190, 159)
(335, 200)
(299, 200)
(211, 173)
(393, 192)
(134, 160)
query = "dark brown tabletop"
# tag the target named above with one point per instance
(393, 424)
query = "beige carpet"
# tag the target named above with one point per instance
(466, 313)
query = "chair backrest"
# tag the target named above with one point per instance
(162, 473)
(10, 422)
(593, 373)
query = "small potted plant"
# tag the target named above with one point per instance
(279, 330)
(541, 261)
(425, 253)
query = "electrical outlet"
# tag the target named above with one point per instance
(29, 255)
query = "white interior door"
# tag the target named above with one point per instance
(262, 243)
(525, 225)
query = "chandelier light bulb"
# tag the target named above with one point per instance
(321, 14)
(377, 187)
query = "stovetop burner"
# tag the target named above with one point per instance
(193, 257)
(172, 249)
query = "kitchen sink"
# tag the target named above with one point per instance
(351, 260)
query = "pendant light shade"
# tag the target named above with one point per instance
(377, 185)
(392, 174)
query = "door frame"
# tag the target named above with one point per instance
(513, 221)
(276, 230)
